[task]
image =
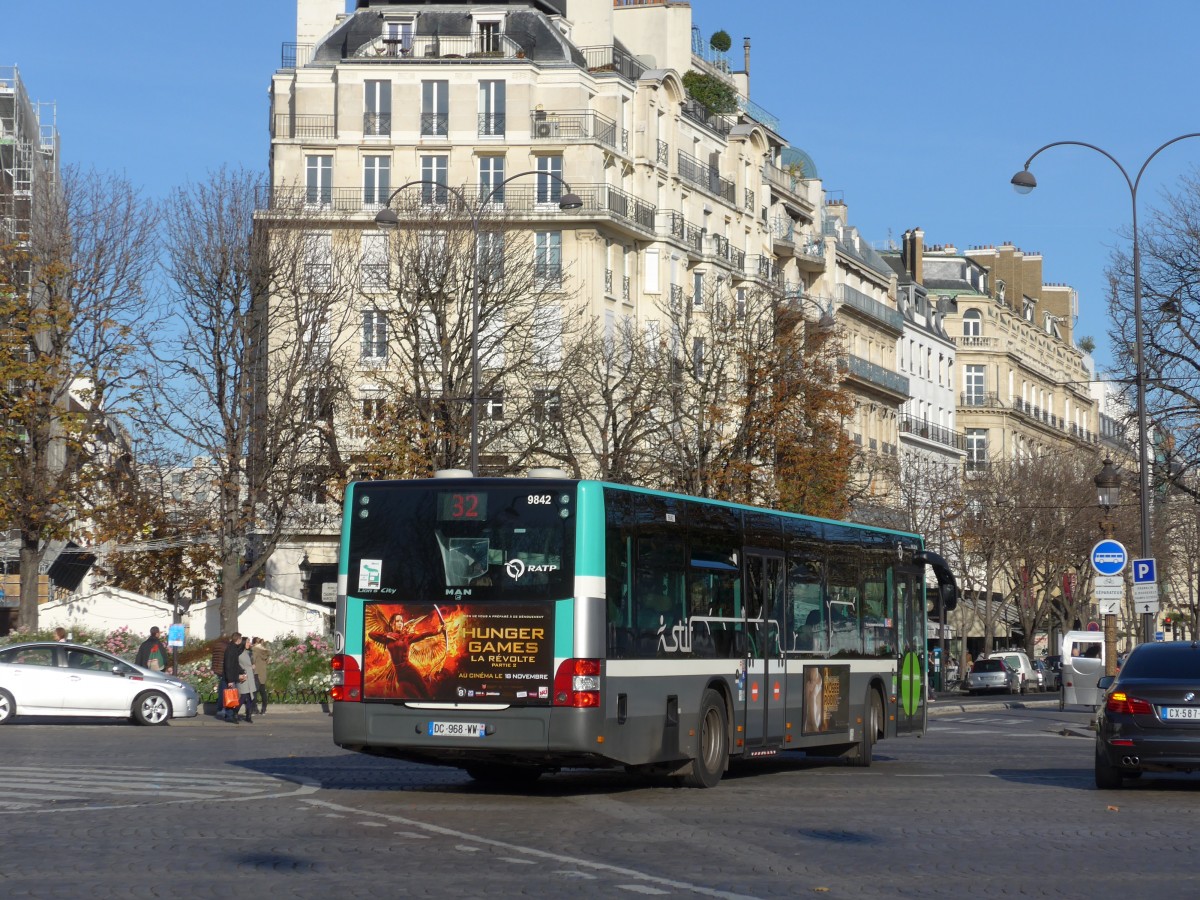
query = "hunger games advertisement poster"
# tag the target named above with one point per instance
(458, 653)
(826, 699)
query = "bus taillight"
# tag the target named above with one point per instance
(577, 683)
(347, 679)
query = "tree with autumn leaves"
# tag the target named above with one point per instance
(73, 296)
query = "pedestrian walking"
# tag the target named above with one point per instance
(261, 654)
(152, 654)
(60, 635)
(232, 670)
(218, 669)
(248, 685)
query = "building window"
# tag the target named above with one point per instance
(494, 406)
(377, 108)
(488, 36)
(548, 340)
(698, 358)
(398, 36)
(547, 405)
(374, 335)
(372, 404)
(650, 263)
(547, 258)
(697, 289)
(377, 180)
(491, 177)
(318, 180)
(433, 174)
(491, 109)
(318, 256)
(973, 395)
(972, 323)
(976, 449)
(373, 263)
(435, 108)
(740, 304)
(549, 179)
(490, 258)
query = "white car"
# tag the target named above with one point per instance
(60, 679)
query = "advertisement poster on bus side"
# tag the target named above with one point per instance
(826, 699)
(485, 652)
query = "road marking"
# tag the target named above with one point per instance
(642, 877)
(43, 789)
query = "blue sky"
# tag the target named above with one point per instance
(916, 114)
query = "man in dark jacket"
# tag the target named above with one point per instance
(232, 671)
(152, 654)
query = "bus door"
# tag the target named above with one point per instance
(911, 709)
(765, 691)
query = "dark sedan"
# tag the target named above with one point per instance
(1150, 718)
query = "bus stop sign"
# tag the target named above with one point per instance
(1109, 557)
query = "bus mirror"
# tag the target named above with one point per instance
(948, 594)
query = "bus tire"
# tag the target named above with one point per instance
(712, 757)
(860, 754)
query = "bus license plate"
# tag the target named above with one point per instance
(1182, 712)
(457, 729)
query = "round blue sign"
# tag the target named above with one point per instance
(1109, 557)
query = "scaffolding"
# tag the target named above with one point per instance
(29, 156)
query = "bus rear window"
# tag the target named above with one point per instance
(411, 540)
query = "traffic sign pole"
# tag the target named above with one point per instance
(1108, 560)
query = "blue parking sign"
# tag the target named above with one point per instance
(1144, 572)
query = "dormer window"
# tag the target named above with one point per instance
(487, 29)
(1027, 309)
(398, 35)
(1001, 288)
(1051, 326)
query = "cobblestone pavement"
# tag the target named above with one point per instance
(996, 800)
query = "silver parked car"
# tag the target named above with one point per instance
(992, 674)
(61, 679)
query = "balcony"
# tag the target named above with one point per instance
(377, 124)
(304, 127)
(435, 124)
(714, 122)
(491, 124)
(976, 342)
(912, 425)
(573, 126)
(764, 268)
(673, 224)
(601, 60)
(705, 177)
(980, 400)
(428, 47)
(597, 198)
(875, 375)
(872, 308)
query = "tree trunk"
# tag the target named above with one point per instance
(31, 560)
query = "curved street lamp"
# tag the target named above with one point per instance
(1024, 182)
(387, 219)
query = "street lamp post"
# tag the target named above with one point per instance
(1108, 489)
(1024, 182)
(387, 219)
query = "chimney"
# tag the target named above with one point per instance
(746, 55)
(918, 265)
(912, 251)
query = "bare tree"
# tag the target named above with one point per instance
(250, 374)
(1170, 269)
(427, 320)
(609, 389)
(72, 307)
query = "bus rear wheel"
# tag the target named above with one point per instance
(860, 754)
(712, 757)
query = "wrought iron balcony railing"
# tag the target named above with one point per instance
(573, 126)
(705, 177)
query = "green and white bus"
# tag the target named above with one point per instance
(516, 626)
